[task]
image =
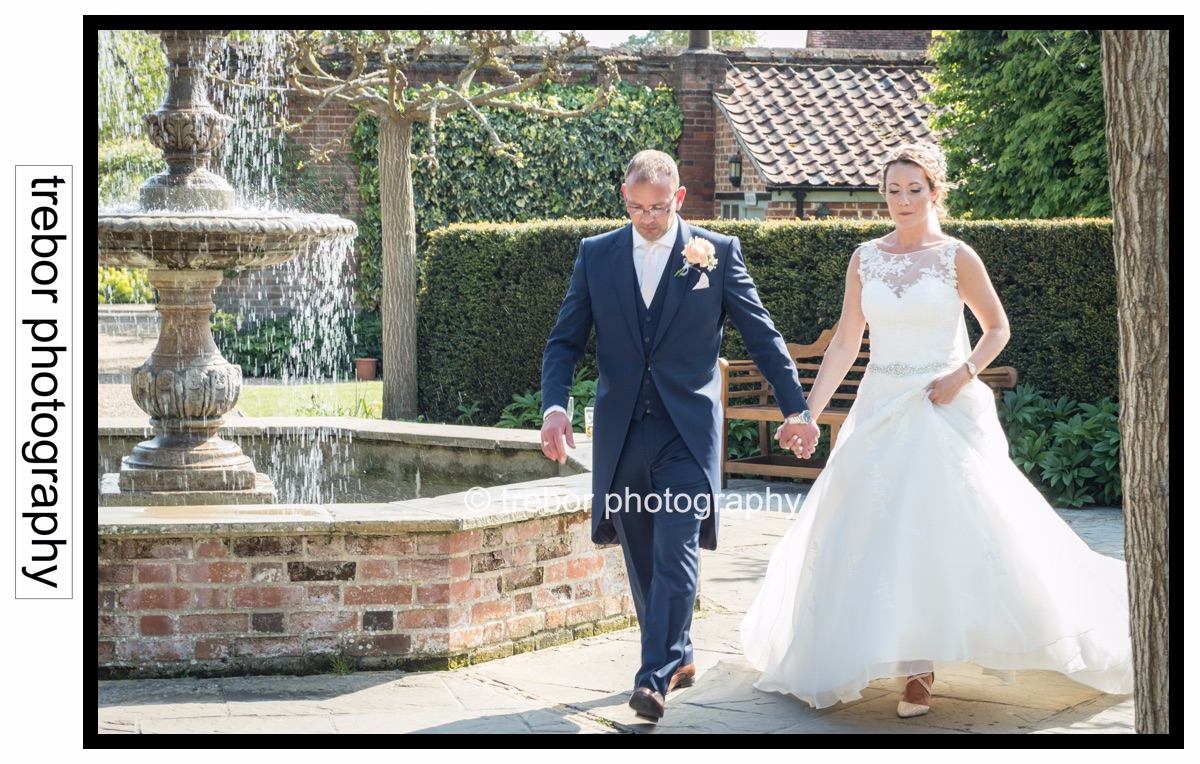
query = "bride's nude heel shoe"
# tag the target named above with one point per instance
(906, 710)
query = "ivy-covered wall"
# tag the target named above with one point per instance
(571, 168)
(490, 295)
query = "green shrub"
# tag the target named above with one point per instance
(1069, 450)
(742, 438)
(525, 412)
(526, 409)
(490, 295)
(270, 347)
(1057, 281)
(120, 286)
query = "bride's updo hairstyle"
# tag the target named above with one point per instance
(931, 161)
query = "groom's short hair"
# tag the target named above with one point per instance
(651, 166)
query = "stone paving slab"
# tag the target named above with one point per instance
(240, 725)
(1106, 714)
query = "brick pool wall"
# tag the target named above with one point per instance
(229, 602)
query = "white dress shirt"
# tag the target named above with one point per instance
(659, 260)
(659, 257)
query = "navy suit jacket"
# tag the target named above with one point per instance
(682, 357)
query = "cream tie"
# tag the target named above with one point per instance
(649, 283)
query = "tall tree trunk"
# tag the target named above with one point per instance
(398, 219)
(1136, 67)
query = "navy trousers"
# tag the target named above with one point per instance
(658, 498)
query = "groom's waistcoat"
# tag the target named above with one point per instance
(649, 401)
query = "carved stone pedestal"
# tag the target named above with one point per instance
(187, 387)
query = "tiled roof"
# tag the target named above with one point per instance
(824, 126)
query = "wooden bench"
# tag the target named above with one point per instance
(745, 394)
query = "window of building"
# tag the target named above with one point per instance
(739, 211)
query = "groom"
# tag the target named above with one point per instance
(656, 456)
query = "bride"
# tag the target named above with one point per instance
(921, 545)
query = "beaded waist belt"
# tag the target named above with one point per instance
(902, 369)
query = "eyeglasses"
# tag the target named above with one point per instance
(653, 212)
(656, 211)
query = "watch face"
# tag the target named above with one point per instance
(805, 417)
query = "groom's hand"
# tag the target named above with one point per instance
(800, 439)
(555, 428)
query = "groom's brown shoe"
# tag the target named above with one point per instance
(684, 676)
(648, 703)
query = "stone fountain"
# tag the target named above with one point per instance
(187, 234)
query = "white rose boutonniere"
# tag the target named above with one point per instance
(698, 253)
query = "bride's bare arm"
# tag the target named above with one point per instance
(843, 350)
(980, 296)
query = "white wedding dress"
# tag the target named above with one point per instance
(921, 541)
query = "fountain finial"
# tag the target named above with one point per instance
(187, 128)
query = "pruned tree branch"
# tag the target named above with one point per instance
(459, 102)
(382, 86)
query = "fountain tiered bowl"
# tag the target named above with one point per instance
(187, 236)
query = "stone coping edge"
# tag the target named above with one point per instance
(416, 433)
(476, 508)
(468, 510)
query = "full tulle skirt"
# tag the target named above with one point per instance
(922, 541)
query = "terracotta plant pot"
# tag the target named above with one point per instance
(364, 368)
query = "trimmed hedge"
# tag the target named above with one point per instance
(490, 295)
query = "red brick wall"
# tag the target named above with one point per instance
(339, 174)
(781, 210)
(862, 39)
(726, 146)
(246, 603)
(848, 209)
(257, 293)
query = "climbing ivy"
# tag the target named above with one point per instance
(570, 168)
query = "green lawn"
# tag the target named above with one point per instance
(363, 399)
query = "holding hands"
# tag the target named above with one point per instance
(800, 439)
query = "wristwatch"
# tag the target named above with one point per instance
(804, 417)
(970, 369)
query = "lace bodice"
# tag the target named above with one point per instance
(912, 306)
